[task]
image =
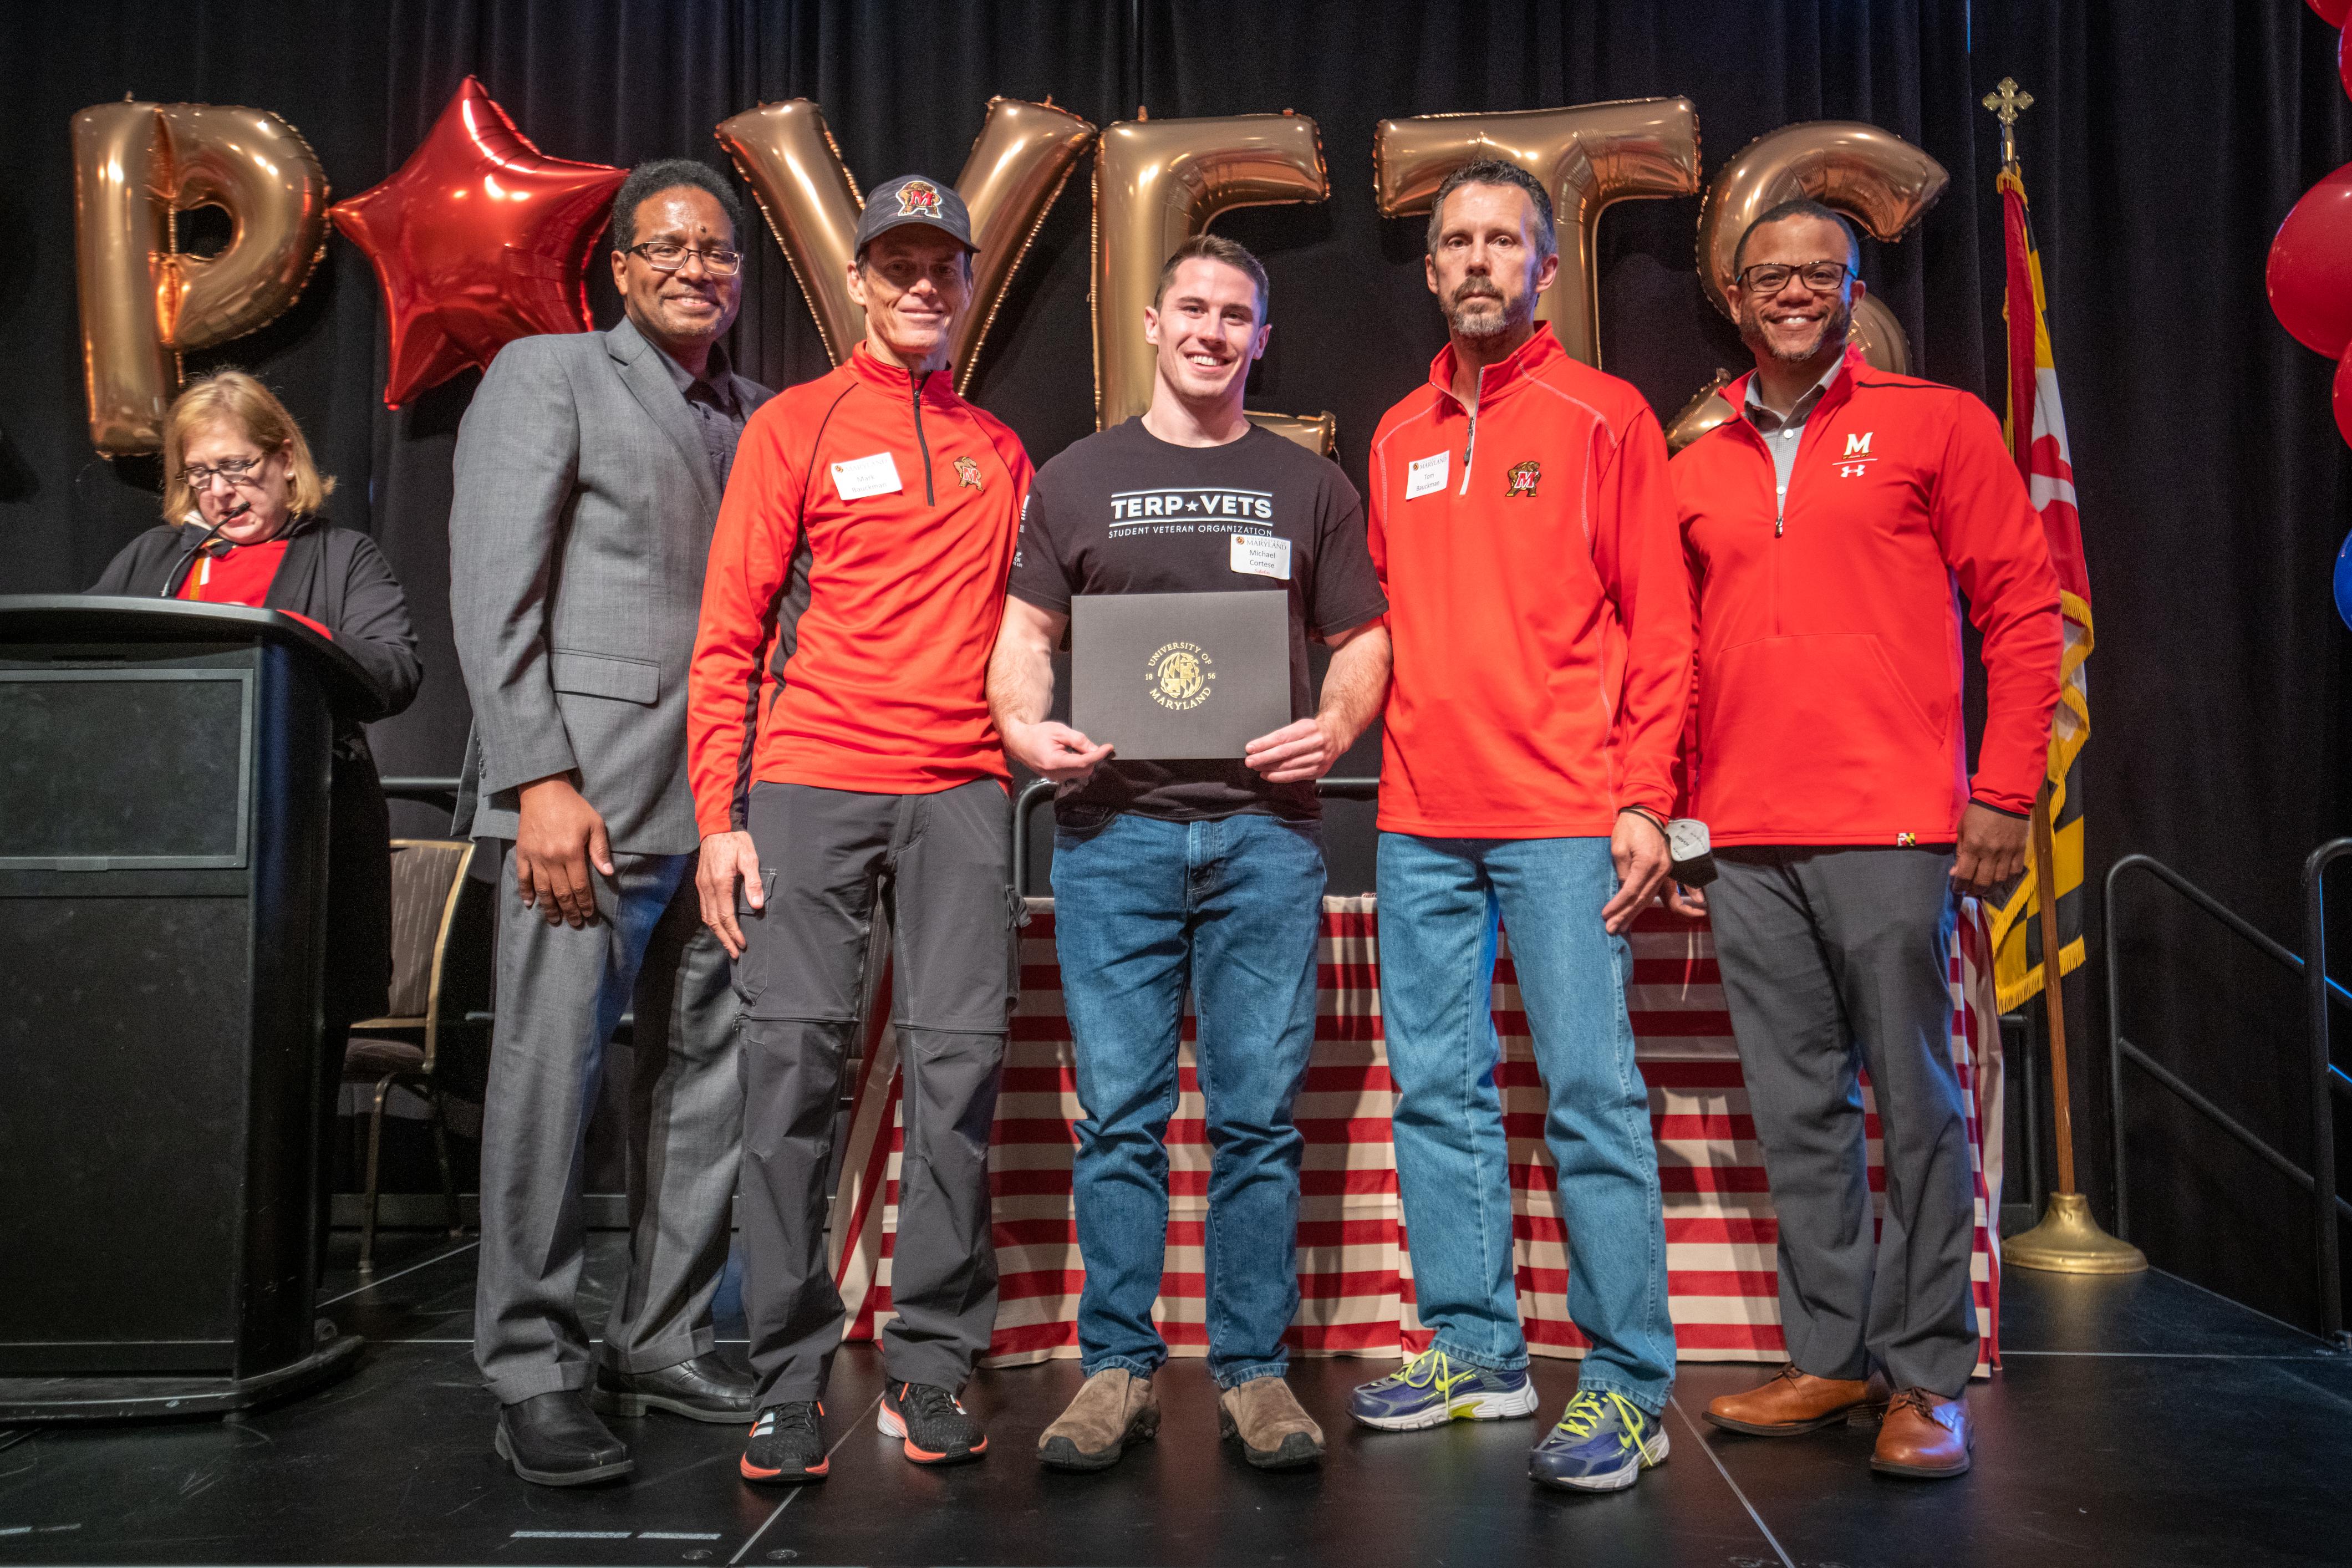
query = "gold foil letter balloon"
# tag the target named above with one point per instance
(1879, 180)
(1156, 183)
(1018, 166)
(142, 300)
(1873, 176)
(1586, 157)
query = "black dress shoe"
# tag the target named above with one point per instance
(555, 1440)
(702, 1389)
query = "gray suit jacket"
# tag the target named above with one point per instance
(577, 541)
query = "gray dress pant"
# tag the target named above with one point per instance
(943, 864)
(561, 993)
(1833, 958)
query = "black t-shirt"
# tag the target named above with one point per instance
(1125, 512)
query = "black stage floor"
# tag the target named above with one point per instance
(2138, 1421)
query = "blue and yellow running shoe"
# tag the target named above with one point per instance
(1431, 1389)
(1601, 1445)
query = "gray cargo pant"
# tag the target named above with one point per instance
(943, 862)
(1835, 958)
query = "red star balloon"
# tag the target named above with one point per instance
(478, 241)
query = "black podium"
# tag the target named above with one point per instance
(163, 776)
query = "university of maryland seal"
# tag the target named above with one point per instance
(1522, 477)
(920, 198)
(967, 473)
(1180, 674)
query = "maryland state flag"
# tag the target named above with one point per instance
(2037, 434)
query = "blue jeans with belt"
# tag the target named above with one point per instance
(1233, 905)
(1440, 899)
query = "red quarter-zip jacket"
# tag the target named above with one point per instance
(855, 583)
(1829, 637)
(1538, 603)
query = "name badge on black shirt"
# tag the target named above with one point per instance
(1124, 512)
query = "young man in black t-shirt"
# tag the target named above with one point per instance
(1207, 872)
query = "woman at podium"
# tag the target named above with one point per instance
(241, 500)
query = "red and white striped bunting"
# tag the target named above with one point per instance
(1355, 1270)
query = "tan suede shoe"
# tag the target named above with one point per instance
(1797, 1401)
(1926, 1437)
(1275, 1433)
(1115, 1408)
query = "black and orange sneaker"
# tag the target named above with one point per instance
(931, 1424)
(786, 1445)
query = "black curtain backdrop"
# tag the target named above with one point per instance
(2167, 144)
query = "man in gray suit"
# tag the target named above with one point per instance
(589, 470)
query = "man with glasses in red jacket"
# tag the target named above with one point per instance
(1827, 529)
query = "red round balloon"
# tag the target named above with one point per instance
(2310, 273)
(479, 240)
(2332, 12)
(2343, 395)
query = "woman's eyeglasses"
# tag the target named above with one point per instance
(236, 470)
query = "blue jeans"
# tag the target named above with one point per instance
(1234, 906)
(1439, 901)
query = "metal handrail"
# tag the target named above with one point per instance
(425, 791)
(431, 791)
(1037, 791)
(2327, 1080)
(2319, 1018)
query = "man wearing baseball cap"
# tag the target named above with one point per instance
(842, 759)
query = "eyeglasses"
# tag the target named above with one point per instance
(667, 255)
(1770, 277)
(236, 470)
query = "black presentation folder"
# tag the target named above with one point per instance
(1170, 676)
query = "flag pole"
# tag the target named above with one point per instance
(2068, 1240)
(2053, 995)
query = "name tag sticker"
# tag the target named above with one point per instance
(1426, 474)
(863, 477)
(1262, 557)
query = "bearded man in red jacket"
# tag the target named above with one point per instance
(1827, 528)
(1523, 526)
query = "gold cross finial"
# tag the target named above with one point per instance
(2007, 103)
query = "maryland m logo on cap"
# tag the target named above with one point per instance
(921, 199)
(915, 198)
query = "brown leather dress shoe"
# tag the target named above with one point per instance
(1795, 1402)
(1926, 1437)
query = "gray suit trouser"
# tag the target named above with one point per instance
(830, 858)
(561, 993)
(1835, 959)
